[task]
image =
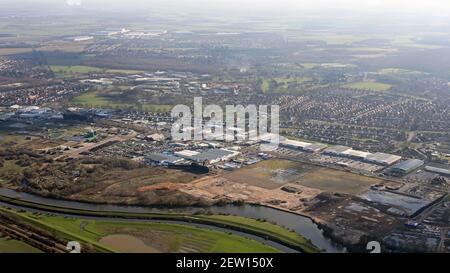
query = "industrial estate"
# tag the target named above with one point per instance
(87, 152)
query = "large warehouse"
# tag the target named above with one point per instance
(163, 159)
(345, 151)
(360, 155)
(305, 146)
(336, 150)
(383, 159)
(209, 156)
(440, 171)
(406, 167)
(377, 158)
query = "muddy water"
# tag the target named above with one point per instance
(300, 224)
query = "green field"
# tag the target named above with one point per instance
(327, 65)
(76, 70)
(282, 83)
(408, 41)
(14, 246)
(371, 86)
(158, 237)
(266, 227)
(94, 99)
(399, 71)
(251, 226)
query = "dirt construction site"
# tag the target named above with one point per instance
(341, 200)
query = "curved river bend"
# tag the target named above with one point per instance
(300, 224)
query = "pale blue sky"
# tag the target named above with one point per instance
(422, 7)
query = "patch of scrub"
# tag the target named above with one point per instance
(127, 244)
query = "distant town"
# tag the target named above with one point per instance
(87, 152)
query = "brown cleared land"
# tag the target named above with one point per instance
(337, 181)
(269, 174)
(272, 174)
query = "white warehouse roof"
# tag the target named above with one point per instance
(295, 143)
(382, 158)
(355, 153)
(186, 153)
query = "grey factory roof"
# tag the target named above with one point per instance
(316, 147)
(162, 158)
(437, 170)
(408, 165)
(383, 158)
(337, 149)
(211, 154)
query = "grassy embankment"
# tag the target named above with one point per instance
(251, 226)
(167, 237)
(14, 246)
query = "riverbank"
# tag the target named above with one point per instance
(288, 219)
(260, 229)
(115, 235)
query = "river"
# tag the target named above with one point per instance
(300, 224)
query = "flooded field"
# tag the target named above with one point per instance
(408, 205)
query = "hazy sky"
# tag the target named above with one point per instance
(434, 6)
(406, 5)
(440, 8)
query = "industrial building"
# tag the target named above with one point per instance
(163, 159)
(440, 171)
(383, 159)
(35, 112)
(294, 144)
(209, 156)
(336, 150)
(345, 151)
(315, 148)
(376, 158)
(360, 155)
(305, 146)
(406, 167)
(187, 154)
